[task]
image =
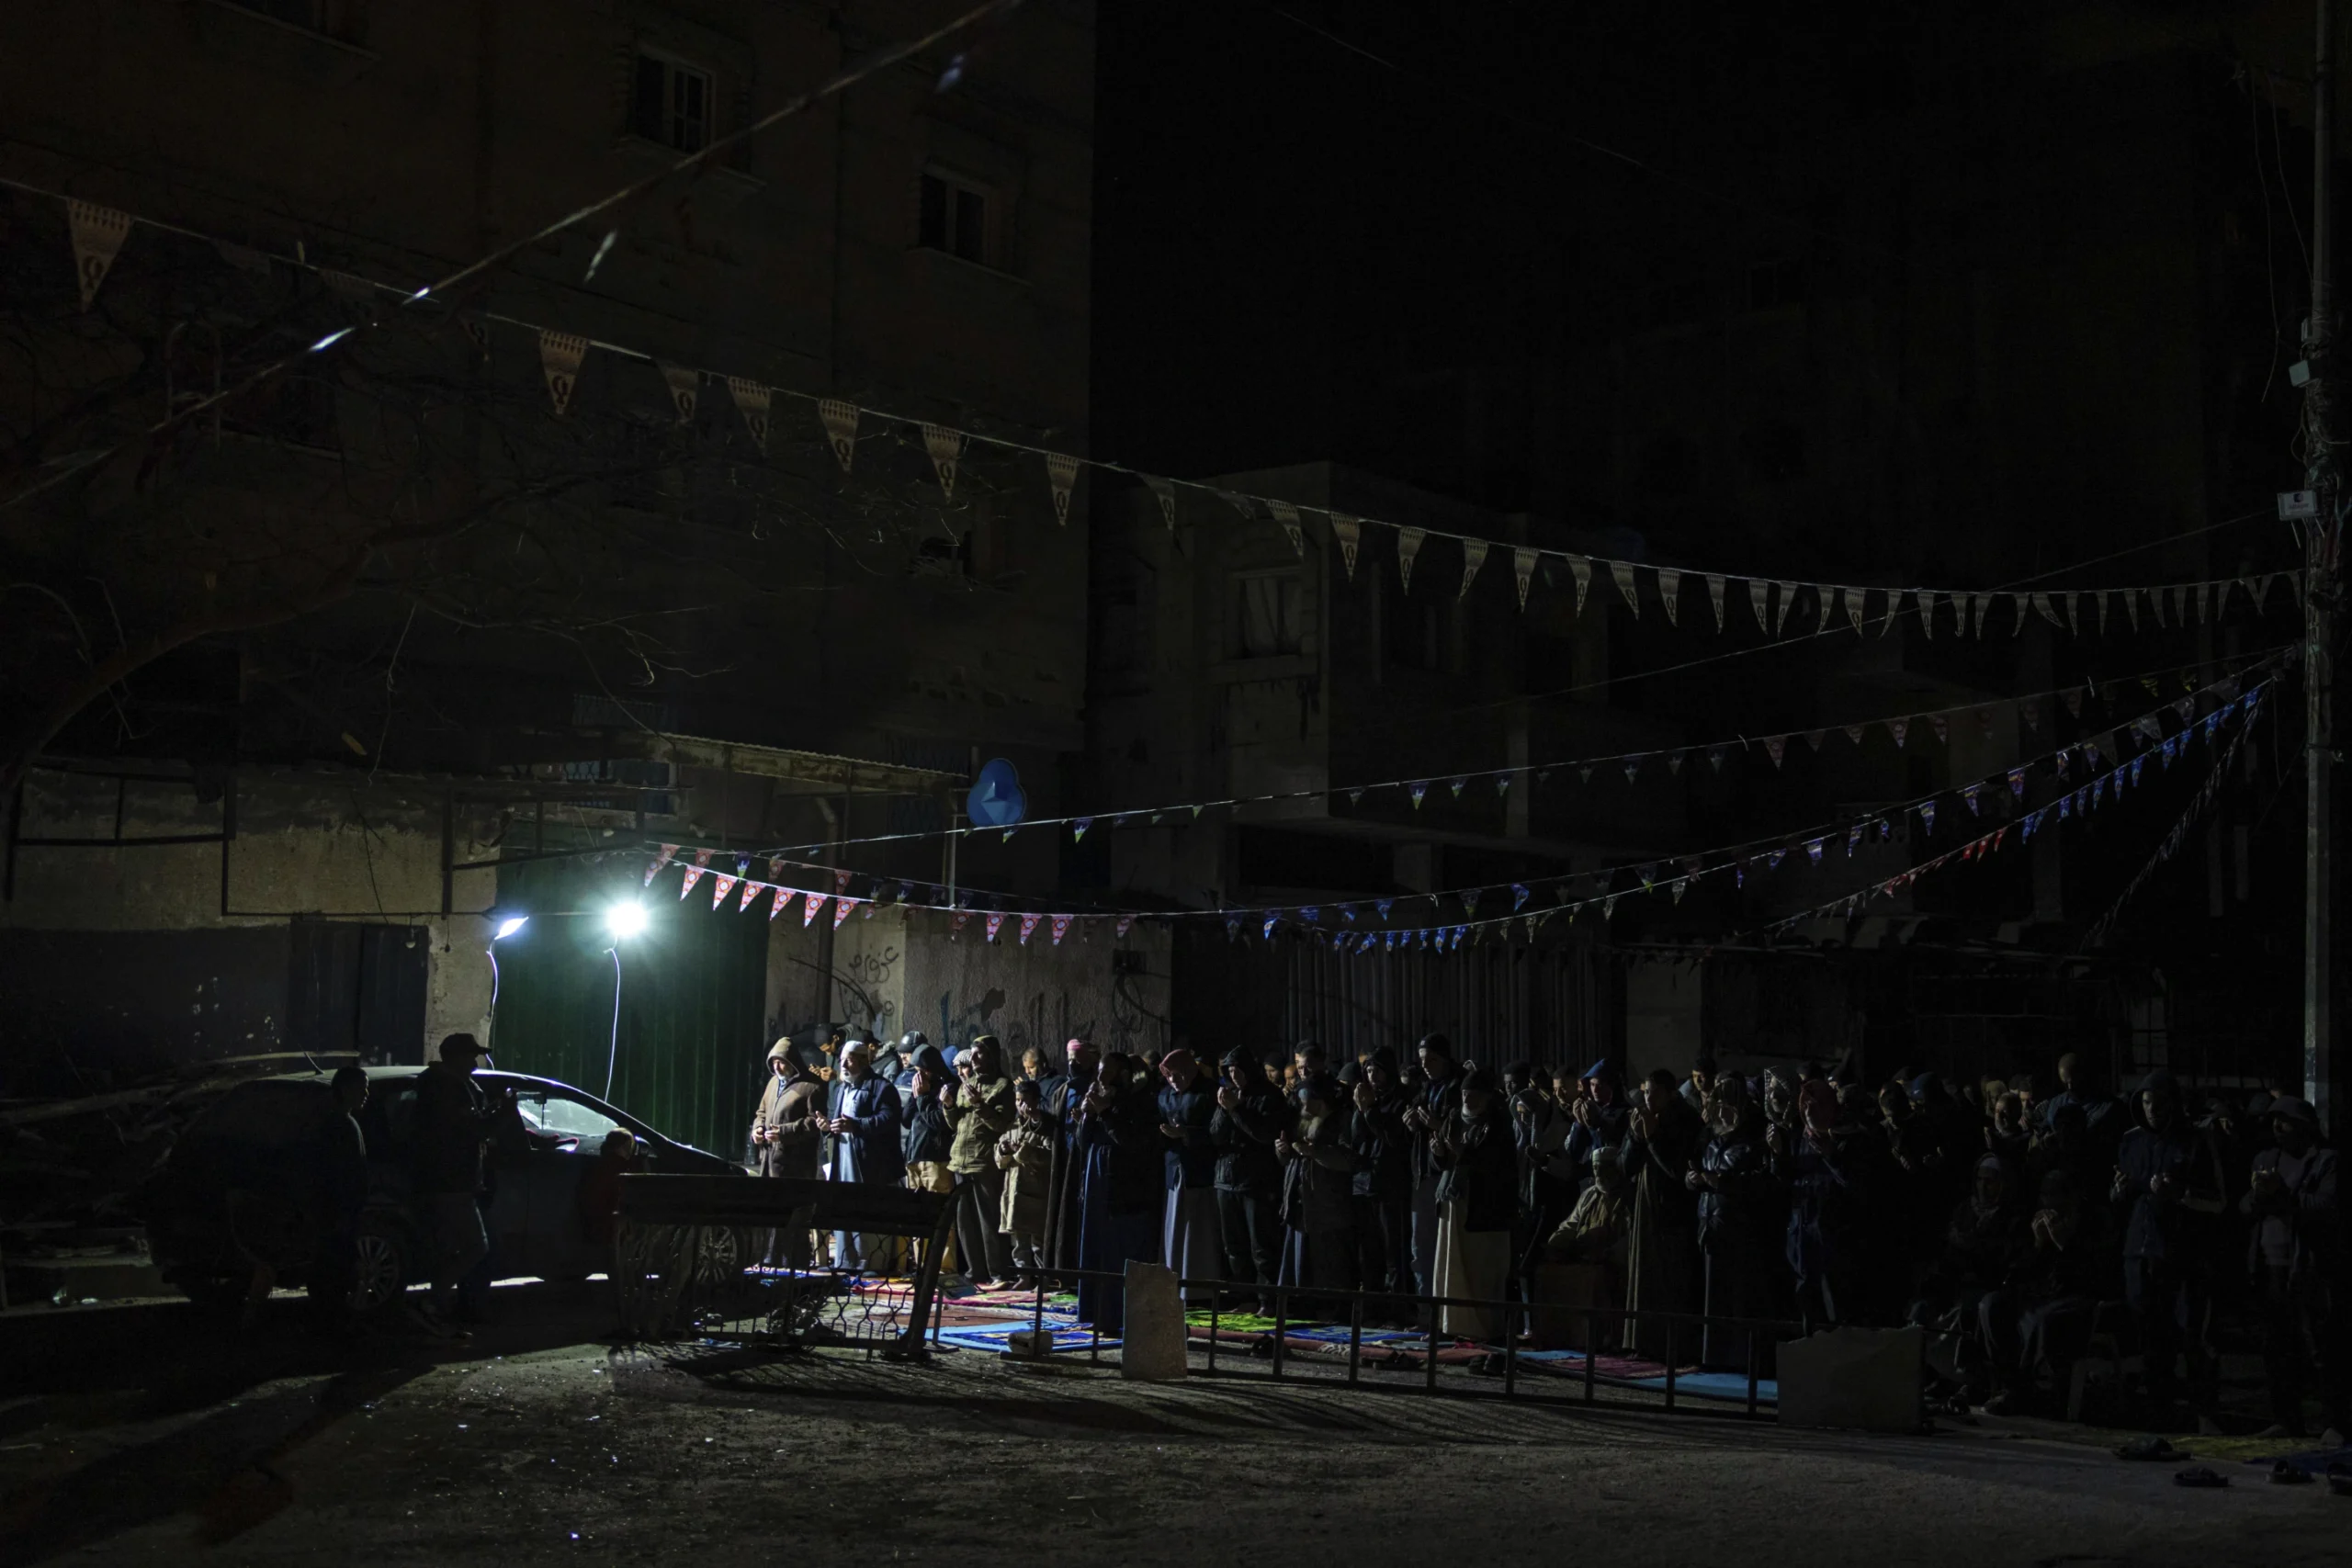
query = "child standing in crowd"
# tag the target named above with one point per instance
(1026, 1154)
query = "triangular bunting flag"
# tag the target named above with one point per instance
(994, 924)
(1287, 515)
(1978, 603)
(752, 890)
(1854, 599)
(1349, 532)
(1899, 728)
(1522, 571)
(1581, 569)
(686, 386)
(1061, 473)
(1164, 491)
(1126, 923)
(1942, 727)
(840, 418)
(1774, 746)
(1669, 594)
(1715, 597)
(1028, 925)
(1759, 603)
(784, 898)
(1408, 545)
(99, 233)
(808, 911)
(842, 907)
(660, 861)
(1060, 929)
(1928, 597)
(946, 444)
(1473, 556)
(1787, 592)
(2016, 615)
(2047, 610)
(559, 358)
(1624, 572)
(753, 402)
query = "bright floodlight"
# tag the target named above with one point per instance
(510, 925)
(625, 920)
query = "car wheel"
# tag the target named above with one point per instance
(379, 1267)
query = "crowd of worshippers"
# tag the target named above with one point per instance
(2015, 1224)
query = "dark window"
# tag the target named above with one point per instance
(954, 218)
(1268, 616)
(671, 103)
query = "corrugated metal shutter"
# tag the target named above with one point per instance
(689, 1055)
(1497, 1003)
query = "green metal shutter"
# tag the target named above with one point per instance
(692, 997)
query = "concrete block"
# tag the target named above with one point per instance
(1868, 1379)
(1151, 1345)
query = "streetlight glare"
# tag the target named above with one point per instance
(509, 925)
(625, 920)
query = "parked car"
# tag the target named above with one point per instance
(242, 1184)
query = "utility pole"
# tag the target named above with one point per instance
(2319, 590)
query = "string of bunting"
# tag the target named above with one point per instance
(2005, 791)
(2030, 710)
(98, 235)
(2206, 794)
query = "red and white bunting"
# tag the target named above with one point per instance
(783, 900)
(995, 924)
(752, 890)
(721, 885)
(1715, 597)
(1126, 923)
(1669, 594)
(669, 852)
(842, 907)
(1061, 929)
(1028, 925)
(694, 872)
(808, 913)
(1522, 571)
(958, 921)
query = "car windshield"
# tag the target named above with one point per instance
(560, 1117)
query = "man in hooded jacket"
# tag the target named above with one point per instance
(788, 1139)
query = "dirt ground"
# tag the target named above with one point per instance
(539, 1443)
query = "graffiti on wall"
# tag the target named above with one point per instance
(1044, 1020)
(862, 988)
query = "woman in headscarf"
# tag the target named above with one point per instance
(1662, 1146)
(1740, 1207)
(1477, 1196)
(1318, 1177)
(978, 1106)
(787, 1139)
